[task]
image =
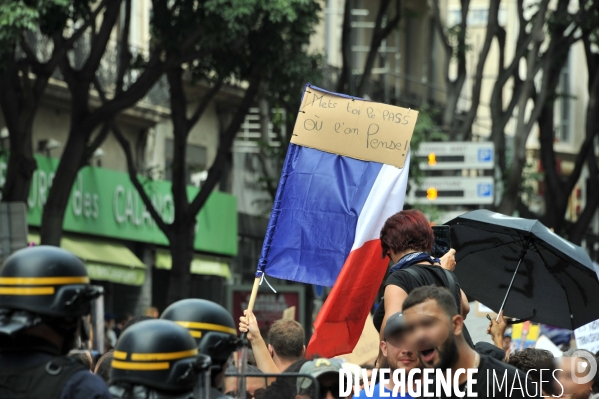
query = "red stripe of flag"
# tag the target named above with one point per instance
(340, 322)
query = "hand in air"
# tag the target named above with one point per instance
(448, 260)
(249, 324)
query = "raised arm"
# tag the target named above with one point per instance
(393, 299)
(249, 325)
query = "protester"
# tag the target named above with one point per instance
(398, 355)
(285, 387)
(488, 349)
(38, 330)
(406, 239)
(156, 359)
(254, 386)
(109, 329)
(84, 356)
(286, 342)
(120, 323)
(572, 364)
(152, 312)
(507, 344)
(356, 372)
(496, 330)
(214, 332)
(103, 366)
(135, 320)
(263, 355)
(531, 361)
(326, 371)
(435, 330)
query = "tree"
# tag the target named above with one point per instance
(243, 50)
(24, 27)
(559, 188)
(545, 35)
(134, 78)
(387, 19)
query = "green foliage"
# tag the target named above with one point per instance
(425, 130)
(238, 36)
(46, 16)
(529, 183)
(458, 40)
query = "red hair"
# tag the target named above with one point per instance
(407, 230)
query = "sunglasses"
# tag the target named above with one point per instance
(259, 393)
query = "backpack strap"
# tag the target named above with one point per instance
(451, 283)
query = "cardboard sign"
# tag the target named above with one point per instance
(289, 313)
(587, 336)
(354, 127)
(525, 335)
(545, 343)
(367, 348)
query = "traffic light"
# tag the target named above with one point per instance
(432, 159)
(431, 194)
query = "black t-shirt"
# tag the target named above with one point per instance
(432, 275)
(496, 379)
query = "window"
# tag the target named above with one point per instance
(454, 17)
(563, 128)
(476, 16)
(250, 137)
(195, 162)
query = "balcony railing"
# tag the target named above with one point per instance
(42, 47)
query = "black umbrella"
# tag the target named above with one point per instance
(547, 279)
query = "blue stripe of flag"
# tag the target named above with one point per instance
(313, 222)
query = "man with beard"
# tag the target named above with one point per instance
(397, 355)
(435, 331)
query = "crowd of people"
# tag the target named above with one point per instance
(192, 350)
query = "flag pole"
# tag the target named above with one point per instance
(242, 363)
(254, 294)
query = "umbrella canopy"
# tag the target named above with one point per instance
(554, 281)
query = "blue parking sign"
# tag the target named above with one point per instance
(485, 189)
(485, 155)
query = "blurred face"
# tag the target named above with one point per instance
(432, 334)
(254, 386)
(569, 367)
(398, 354)
(507, 343)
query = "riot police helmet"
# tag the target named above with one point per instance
(157, 356)
(43, 283)
(210, 324)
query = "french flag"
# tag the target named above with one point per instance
(324, 229)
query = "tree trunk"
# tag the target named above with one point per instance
(60, 191)
(19, 108)
(449, 111)
(345, 76)
(511, 193)
(556, 199)
(181, 246)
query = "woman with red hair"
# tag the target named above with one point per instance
(407, 239)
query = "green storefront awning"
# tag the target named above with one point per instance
(104, 260)
(200, 264)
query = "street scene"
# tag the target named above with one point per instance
(302, 199)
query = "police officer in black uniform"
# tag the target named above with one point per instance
(157, 359)
(44, 296)
(214, 331)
